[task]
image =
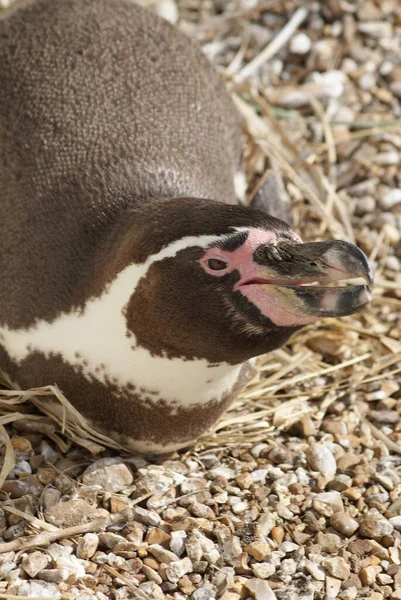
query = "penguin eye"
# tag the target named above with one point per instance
(216, 264)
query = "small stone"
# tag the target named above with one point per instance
(328, 503)
(50, 455)
(321, 459)
(34, 563)
(110, 540)
(162, 554)
(71, 513)
(87, 546)
(21, 446)
(365, 205)
(147, 517)
(239, 507)
(178, 569)
(263, 570)
(38, 589)
(177, 542)
(277, 534)
(28, 486)
(259, 589)
(118, 504)
(158, 536)
(330, 542)
(347, 461)
(110, 474)
(333, 587)
(201, 510)
(315, 570)
(390, 198)
(337, 567)
(374, 525)
(396, 522)
(288, 566)
(300, 43)
(150, 589)
(54, 575)
(384, 579)
(194, 548)
(64, 560)
(244, 481)
(222, 471)
(288, 547)
(352, 493)
(344, 523)
(368, 574)
(391, 157)
(186, 586)
(349, 594)
(152, 574)
(258, 549)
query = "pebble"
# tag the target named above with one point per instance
(158, 536)
(87, 545)
(390, 198)
(37, 589)
(64, 559)
(277, 534)
(178, 568)
(110, 474)
(373, 525)
(152, 574)
(344, 523)
(337, 567)
(259, 589)
(315, 570)
(162, 554)
(333, 587)
(258, 549)
(147, 517)
(177, 542)
(330, 542)
(263, 570)
(321, 459)
(328, 503)
(368, 575)
(300, 43)
(34, 563)
(396, 522)
(71, 513)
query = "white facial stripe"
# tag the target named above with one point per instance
(96, 338)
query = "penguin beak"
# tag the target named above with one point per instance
(289, 269)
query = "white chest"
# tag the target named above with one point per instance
(95, 340)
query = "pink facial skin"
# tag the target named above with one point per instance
(275, 303)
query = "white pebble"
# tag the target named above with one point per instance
(387, 158)
(300, 44)
(391, 198)
(321, 459)
(367, 81)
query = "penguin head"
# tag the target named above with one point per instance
(227, 283)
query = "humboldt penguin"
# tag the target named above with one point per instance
(130, 276)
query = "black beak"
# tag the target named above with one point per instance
(290, 266)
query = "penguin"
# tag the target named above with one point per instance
(130, 275)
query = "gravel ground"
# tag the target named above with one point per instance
(296, 493)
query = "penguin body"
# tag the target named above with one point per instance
(128, 275)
